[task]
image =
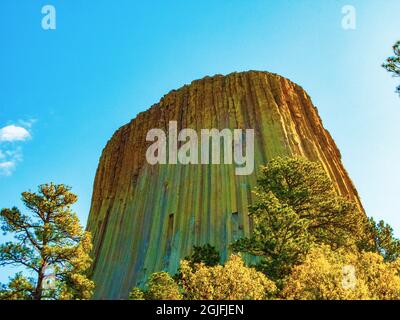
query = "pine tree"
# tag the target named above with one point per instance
(50, 244)
(392, 63)
(297, 206)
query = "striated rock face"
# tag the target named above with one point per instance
(146, 218)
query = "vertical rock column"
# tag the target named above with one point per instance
(146, 218)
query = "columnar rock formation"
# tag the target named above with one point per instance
(146, 218)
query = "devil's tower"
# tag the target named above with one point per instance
(146, 218)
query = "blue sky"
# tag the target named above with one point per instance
(72, 87)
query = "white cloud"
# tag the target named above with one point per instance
(7, 168)
(9, 160)
(10, 150)
(14, 154)
(14, 133)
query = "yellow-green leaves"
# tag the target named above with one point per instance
(160, 286)
(19, 288)
(341, 275)
(233, 281)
